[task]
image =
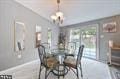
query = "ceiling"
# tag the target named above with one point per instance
(75, 11)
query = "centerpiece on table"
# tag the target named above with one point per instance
(61, 41)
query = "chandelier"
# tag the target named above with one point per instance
(58, 16)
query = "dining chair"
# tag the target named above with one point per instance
(47, 47)
(74, 63)
(47, 62)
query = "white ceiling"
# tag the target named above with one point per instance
(75, 11)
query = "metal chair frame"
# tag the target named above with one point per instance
(73, 45)
(43, 61)
(78, 62)
(47, 46)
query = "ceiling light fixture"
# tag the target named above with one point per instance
(58, 17)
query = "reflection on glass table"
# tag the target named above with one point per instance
(60, 54)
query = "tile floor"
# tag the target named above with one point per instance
(91, 70)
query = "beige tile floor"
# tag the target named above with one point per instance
(91, 70)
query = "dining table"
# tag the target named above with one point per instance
(60, 69)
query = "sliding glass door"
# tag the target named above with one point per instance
(86, 36)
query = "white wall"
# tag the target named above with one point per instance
(9, 11)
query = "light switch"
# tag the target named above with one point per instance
(101, 36)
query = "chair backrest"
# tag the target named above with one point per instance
(80, 53)
(72, 45)
(47, 47)
(42, 54)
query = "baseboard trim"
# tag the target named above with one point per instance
(19, 66)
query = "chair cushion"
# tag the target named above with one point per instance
(51, 62)
(70, 61)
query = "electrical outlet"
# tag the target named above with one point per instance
(19, 56)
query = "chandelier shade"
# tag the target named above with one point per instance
(54, 17)
(59, 14)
